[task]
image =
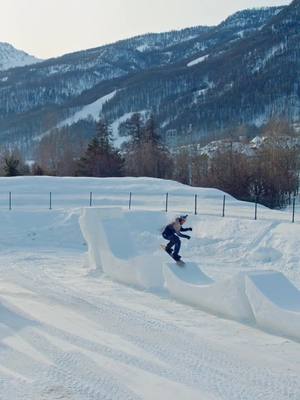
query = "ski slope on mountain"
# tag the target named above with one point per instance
(69, 331)
(92, 110)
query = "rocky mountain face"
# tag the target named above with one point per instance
(11, 57)
(199, 80)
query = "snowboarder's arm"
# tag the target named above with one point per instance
(185, 229)
(183, 236)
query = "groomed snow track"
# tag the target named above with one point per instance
(266, 298)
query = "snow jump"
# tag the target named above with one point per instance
(264, 298)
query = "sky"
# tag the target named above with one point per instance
(50, 28)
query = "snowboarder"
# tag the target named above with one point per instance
(172, 233)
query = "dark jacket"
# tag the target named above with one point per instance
(175, 228)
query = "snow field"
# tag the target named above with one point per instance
(32, 193)
(69, 332)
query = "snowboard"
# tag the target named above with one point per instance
(179, 262)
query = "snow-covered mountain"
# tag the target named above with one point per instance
(10, 57)
(244, 70)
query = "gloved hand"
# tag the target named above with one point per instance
(190, 229)
(188, 237)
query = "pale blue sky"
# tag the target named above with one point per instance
(48, 28)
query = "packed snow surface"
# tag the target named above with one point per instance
(70, 331)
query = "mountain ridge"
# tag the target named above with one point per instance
(149, 72)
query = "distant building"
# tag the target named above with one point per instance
(171, 138)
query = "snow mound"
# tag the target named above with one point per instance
(111, 249)
(275, 302)
(226, 298)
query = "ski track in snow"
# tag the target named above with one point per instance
(124, 342)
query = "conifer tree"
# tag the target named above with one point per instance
(11, 165)
(100, 159)
(145, 154)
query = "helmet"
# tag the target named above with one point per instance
(183, 217)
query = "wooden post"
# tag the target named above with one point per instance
(196, 204)
(167, 201)
(9, 201)
(50, 201)
(91, 199)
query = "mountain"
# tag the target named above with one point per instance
(11, 57)
(201, 79)
(246, 81)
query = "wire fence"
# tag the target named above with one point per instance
(223, 206)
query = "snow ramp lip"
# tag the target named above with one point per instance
(190, 273)
(226, 298)
(275, 303)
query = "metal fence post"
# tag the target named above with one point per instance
(129, 204)
(196, 204)
(294, 206)
(256, 201)
(91, 199)
(50, 201)
(167, 201)
(9, 201)
(224, 203)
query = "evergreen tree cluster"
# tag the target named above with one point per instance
(270, 176)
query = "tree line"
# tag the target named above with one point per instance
(269, 175)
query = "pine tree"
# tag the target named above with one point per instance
(133, 128)
(11, 165)
(100, 159)
(145, 154)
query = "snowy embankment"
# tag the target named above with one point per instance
(68, 331)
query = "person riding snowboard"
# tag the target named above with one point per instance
(172, 232)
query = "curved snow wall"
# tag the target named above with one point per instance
(226, 298)
(265, 298)
(112, 250)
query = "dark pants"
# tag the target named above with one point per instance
(175, 242)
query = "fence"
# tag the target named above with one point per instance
(223, 206)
